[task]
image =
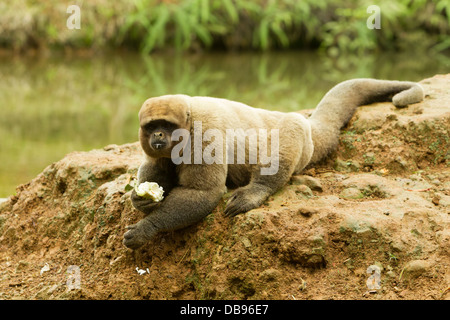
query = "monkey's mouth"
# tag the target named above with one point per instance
(158, 145)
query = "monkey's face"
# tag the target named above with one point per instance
(156, 139)
(158, 118)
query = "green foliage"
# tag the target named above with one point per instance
(160, 24)
(405, 24)
(235, 23)
(333, 26)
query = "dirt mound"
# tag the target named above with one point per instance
(372, 222)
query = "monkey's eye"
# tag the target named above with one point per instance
(159, 125)
(168, 126)
(149, 127)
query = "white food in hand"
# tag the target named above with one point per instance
(150, 190)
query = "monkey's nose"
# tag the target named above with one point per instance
(158, 135)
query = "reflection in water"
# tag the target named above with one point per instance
(52, 106)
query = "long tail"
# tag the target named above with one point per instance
(339, 104)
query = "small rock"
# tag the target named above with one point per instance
(22, 265)
(327, 175)
(415, 268)
(444, 201)
(351, 193)
(270, 274)
(355, 225)
(435, 200)
(316, 240)
(315, 261)
(246, 242)
(304, 191)
(391, 274)
(307, 211)
(436, 182)
(372, 185)
(354, 166)
(379, 265)
(312, 183)
(46, 292)
(416, 177)
(110, 147)
(341, 166)
(369, 158)
(391, 117)
(175, 290)
(360, 272)
(403, 163)
(52, 289)
(417, 110)
(293, 253)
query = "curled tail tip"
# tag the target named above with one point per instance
(412, 95)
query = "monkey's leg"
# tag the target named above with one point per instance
(258, 190)
(292, 144)
(160, 171)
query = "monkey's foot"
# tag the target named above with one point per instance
(138, 234)
(244, 200)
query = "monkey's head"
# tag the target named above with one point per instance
(158, 118)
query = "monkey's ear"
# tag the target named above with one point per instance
(188, 116)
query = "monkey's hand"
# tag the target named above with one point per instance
(245, 199)
(181, 208)
(144, 205)
(139, 233)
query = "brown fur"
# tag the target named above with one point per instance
(192, 191)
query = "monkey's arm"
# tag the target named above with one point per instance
(161, 171)
(200, 189)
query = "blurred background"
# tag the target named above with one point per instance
(64, 90)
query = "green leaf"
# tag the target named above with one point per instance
(444, 45)
(203, 34)
(250, 6)
(231, 10)
(281, 35)
(263, 32)
(156, 31)
(204, 11)
(183, 29)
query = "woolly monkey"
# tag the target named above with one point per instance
(194, 184)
